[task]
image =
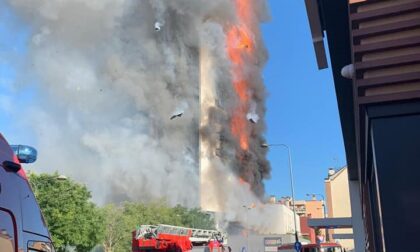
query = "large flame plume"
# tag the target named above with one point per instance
(240, 46)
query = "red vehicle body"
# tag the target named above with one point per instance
(161, 238)
(215, 246)
(322, 247)
(22, 226)
(172, 238)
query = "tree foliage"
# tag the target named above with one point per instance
(117, 232)
(73, 220)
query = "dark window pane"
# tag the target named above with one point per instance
(7, 242)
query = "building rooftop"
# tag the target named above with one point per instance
(336, 174)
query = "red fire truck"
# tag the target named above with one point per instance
(313, 247)
(166, 238)
(22, 227)
(161, 238)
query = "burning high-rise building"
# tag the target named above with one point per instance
(231, 132)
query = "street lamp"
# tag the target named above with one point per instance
(61, 177)
(266, 145)
(325, 210)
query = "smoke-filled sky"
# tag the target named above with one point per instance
(309, 125)
(122, 96)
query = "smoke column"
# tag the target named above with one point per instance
(149, 99)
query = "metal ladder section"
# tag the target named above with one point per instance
(197, 235)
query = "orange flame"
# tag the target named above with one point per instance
(240, 45)
(239, 128)
(241, 89)
(239, 41)
(244, 10)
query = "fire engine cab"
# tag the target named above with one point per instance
(22, 226)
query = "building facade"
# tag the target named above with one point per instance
(311, 209)
(338, 203)
(285, 221)
(374, 49)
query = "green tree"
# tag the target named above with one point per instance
(73, 220)
(116, 231)
(194, 218)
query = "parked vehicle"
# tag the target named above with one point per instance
(22, 226)
(166, 238)
(313, 247)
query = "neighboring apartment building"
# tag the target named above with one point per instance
(300, 207)
(305, 209)
(314, 208)
(338, 202)
(310, 209)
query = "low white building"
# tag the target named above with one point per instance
(283, 221)
(275, 221)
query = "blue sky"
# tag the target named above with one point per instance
(301, 106)
(13, 38)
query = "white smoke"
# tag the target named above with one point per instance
(108, 84)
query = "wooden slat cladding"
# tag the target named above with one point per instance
(372, 5)
(386, 49)
(387, 45)
(388, 62)
(388, 80)
(386, 28)
(385, 12)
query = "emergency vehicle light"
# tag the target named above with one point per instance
(25, 154)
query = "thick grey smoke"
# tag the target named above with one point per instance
(117, 103)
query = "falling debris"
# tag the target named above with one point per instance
(180, 108)
(177, 115)
(252, 120)
(158, 26)
(252, 117)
